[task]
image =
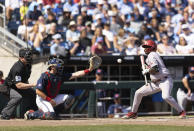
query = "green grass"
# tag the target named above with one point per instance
(102, 128)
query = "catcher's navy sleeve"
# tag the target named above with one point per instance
(41, 82)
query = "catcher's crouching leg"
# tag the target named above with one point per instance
(65, 105)
(48, 116)
(30, 115)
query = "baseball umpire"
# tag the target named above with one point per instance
(160, 81)
(16, 84)
(47, 90)
(185, 93)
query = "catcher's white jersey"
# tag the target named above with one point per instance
(154, 59)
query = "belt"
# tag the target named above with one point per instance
(158, 80)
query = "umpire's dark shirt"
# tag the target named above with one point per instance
(18, 73)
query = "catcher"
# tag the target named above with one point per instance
(48, 99)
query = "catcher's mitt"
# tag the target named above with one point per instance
(95, 62)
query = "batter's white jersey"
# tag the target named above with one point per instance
(163, 82)
(154, 59)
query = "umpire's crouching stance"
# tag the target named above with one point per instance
(16, 84)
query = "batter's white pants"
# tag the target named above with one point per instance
(182, 98)
(165, 86)
(46, 106)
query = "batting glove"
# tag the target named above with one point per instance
(144, 72)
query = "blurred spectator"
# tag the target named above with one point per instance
(160, 9)
(40, 6)
(34, 35)
(98, 9)
(188, 35)
(58, 9)
(182, 47)
(72, 7)
(48, 2)
(137, 16)
(119, 41)
(125, 7)
(98, 20)
(99, 48)
(1, 77)
(11, 5)
(85, 42)
(97, 33)
(161, 32)
(89, 5)
(65, 19)
(145, 30)
(148, 8)
(131, 47)
(190, 7)
(24, 30)
(32, 4)
(165, 47)
(154, 14)
(89, 30)
(169, 9)
(127, 27)
(101, 105)
(75, 47)
(72, 31)
(140, 6)
(41, 24)
(51, 18)
(47, 11)
(58, 48)
(84, 15)
(154, 27)
(80, 25)
(23, 9)
(114, 26)
(109, 35)
(116, 108)
(47, 41)
(34, 15)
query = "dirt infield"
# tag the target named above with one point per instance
(189, 121)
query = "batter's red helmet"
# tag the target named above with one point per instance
(149, 46)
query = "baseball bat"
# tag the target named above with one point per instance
(143, 67)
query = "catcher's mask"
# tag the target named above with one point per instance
(149, 46)
(58, 63)
(26, 53)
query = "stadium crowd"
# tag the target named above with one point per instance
(101, 27)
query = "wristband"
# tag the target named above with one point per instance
(86, 71)
(48, 98)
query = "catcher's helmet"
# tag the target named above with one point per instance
(56, 62)
(27, 54)
(149, 46)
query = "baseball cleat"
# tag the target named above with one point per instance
(182, 115)
(27, 115)
(130, 115)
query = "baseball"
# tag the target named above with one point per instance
(119, 60)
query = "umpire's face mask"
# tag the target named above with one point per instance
(28, 57)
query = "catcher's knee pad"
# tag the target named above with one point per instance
(48, 116)
(69, 101)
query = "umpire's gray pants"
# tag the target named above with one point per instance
(14, 100)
